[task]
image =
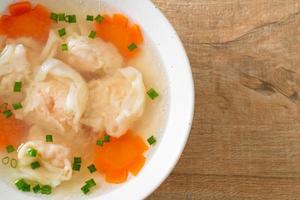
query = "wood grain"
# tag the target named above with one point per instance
(245, 140)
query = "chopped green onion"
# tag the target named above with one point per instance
(77, 163)
(54, 16)
(106, 138)
(62, 32)
(71, 18)
(100, 143)
(35, 165)
(10, 148)
(151, 140)
(152, 94)
(46, 189)
(92, 34)
(8, 113)
(37, 189)
(64, 47)
(91, 183)
(132, 47)
(5, 160)
(89, 18)
(13, 163)
(61, 17)
(76, 166)
(77, 160)
(49, 138)
(32, 152)
(85, 189)
(99, 18)
(18, 87)
(88, 185)
(23, 185)
(92, 168)
(17, 106)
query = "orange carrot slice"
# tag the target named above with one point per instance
(119, 156)
(121, 33)
(34, 23)
(137, 165)
(116, 176)
(19, 8)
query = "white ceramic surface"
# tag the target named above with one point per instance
(181, 105)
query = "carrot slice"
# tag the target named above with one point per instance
(34, 23)
(116, 176)
(120, 20)
(121, 155)
(136, 166)
(19, 8)
(121, 33)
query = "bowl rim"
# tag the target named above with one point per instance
(181, 107)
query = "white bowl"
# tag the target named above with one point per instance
(181, 106)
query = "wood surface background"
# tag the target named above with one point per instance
(245, 140)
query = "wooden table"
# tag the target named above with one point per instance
(245, 141)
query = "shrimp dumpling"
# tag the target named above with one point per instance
(92, 55)
(54, 160)
(14, 67)
(115, 102)
(57, 97)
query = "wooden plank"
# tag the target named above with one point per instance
(245, 138)
(180, 186)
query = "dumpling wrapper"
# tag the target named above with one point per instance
(53, 158)
(91, 55)
(115, 102)
(56, 99)
(14, 67)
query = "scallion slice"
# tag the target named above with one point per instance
(13, 163)
(77, 163)
(77, 160)
(132, 47)
(100, 143)
(88, 185)
(85, 189)
(71, 18)
(62, 32)
(35, 165)
(64, 47)
(17, 106)
(152, 94)
(32, 152)
(92, 34)
(8, 113)
(106, 138)
(76, 167)
(99, 18)
(92, 168)
(61, 17)
(5, 160)
(89, 18)
(36, 189)
(22, 185)
(54, 16)
(151, 140)
(18, 86)
(91, 183)
(10, 148)
(46, 189)
(49, 138)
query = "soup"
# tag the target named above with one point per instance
(83, 98)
